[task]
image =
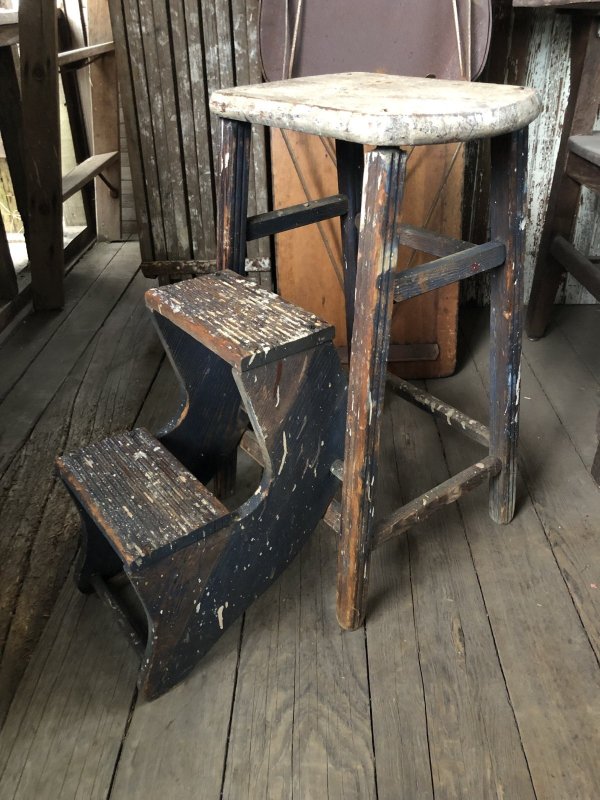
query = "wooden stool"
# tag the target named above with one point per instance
(391, 112)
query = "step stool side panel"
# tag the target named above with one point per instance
(210, 421)
(297, 407)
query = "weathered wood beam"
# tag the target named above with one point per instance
(11, 129)
(427, 402)
(232, 197)
(383, 187)
(583, 172)
(82, 56)
(436, 244)
(448, 269)
(287, 219)
(41, 135)
(423, 506)
(123, 618)
(350, 170)
(580, 267)
(105, 122)
(85, 172)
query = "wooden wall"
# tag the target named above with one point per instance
(537, 53)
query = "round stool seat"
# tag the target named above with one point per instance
(379, 109)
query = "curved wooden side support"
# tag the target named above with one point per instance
(297, 407)
(210, 421)
(95, 556)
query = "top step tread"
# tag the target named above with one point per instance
(245, 325)
(138, 493)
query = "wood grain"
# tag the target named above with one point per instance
(105, 121)
(39, 92)
(301, 717)
(543, 647)
(377, 255)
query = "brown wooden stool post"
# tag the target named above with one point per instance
(507, 217)
(350, 166)
(377, 259)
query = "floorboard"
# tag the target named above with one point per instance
(103, 392)
(31, 394)
(301, 719)
(64, 730)
(474, 744)
(549, 666)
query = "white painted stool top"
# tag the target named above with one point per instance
(382, 109)
(587, 147)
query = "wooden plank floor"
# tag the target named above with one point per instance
(476, 675)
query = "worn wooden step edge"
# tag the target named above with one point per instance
(73, 469)
(83, 173)
(237, 320)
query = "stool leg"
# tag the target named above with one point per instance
(507, 213)
(232, 212)
(350, 168)
(377, 258)
(232, 201)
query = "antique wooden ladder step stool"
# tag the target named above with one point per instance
(196, 566)
(242, 354)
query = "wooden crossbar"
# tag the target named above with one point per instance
(124, 619)
(442, 495)
(286, 219)
(82, 56)
(582, 268)
(448, 269)
(427, 402)
(423, 506)
(83, 173)
(436, 244)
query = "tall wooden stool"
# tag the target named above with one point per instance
(389, 113)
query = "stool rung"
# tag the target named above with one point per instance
(427, 402)
(110, 599)
(449, 269)
(442, 495)
(286, 219)
(426, 241)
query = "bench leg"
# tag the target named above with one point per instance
(508, 200)
(377, 259)
(95, 557)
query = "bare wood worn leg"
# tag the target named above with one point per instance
(232, 201)
(350, 168)
(232, 212)
(507, 214)
(377, 257)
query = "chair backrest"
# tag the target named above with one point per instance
(448, 39)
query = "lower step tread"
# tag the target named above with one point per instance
(138, 493)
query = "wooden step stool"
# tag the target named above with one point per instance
(241, 353)
(392, 112)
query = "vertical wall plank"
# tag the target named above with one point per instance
(105, 121)
(39, 86)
